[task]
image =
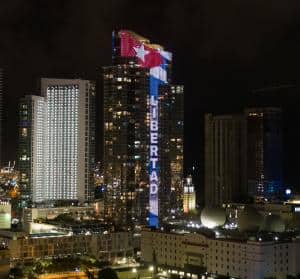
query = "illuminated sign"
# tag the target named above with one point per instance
(153, 169)
(297, 209)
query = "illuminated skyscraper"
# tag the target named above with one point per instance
(56, 144)
(189, 195)
(31, 147)
(70, 138)
(224, 159)
(171, 146)
(127, 140)
(264, 151)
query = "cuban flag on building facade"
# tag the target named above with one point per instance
(156, 60)
(147, 56)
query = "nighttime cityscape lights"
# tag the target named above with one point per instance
(142, 188)
(143, 134)
(157, 61)
(118, 172)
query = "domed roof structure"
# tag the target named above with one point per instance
(213, 217)
(273, 223)
(249, 219)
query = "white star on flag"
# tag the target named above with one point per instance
(141, 52)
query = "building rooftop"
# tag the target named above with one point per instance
(234, 236)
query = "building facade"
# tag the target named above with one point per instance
(189, 195)
(288, 213)
(70, 134)
(31, 147)
(171, 146)
(198, 254)
(105, 246)
(224, 159)
(264, 152)
(57, 142)
(127, 141)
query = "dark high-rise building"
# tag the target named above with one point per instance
(127, 141)
(264, 151)
(224, 159)
(171, 131)
(31, 145)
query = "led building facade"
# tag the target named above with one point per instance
(130, 145)
(264, 151)
(57, 141)
(70, 133)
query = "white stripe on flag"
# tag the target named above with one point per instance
(165, 54)
(159, 73)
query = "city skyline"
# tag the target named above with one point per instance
(231, 70)
(149, 140)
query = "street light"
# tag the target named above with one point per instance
(151, 269)
(134, 270)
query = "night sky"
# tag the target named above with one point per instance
(228, 54)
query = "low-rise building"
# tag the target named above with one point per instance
(107, 246)
(32, 214)
(112, 246)
(196, 253)
(288, 212)
(5, 215)
(4, 262)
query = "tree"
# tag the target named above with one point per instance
(38, 268)
(107, 273)
(16, 273)
(89, 274)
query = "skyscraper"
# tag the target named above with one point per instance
(224, 159)
(31, 148)
(57, 138)
(126, 141)
(127, 152)
(70, 134)
(264, 151)
(171, 146)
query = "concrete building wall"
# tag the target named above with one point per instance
(228, 257)
(106, 246)
(224, 159)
